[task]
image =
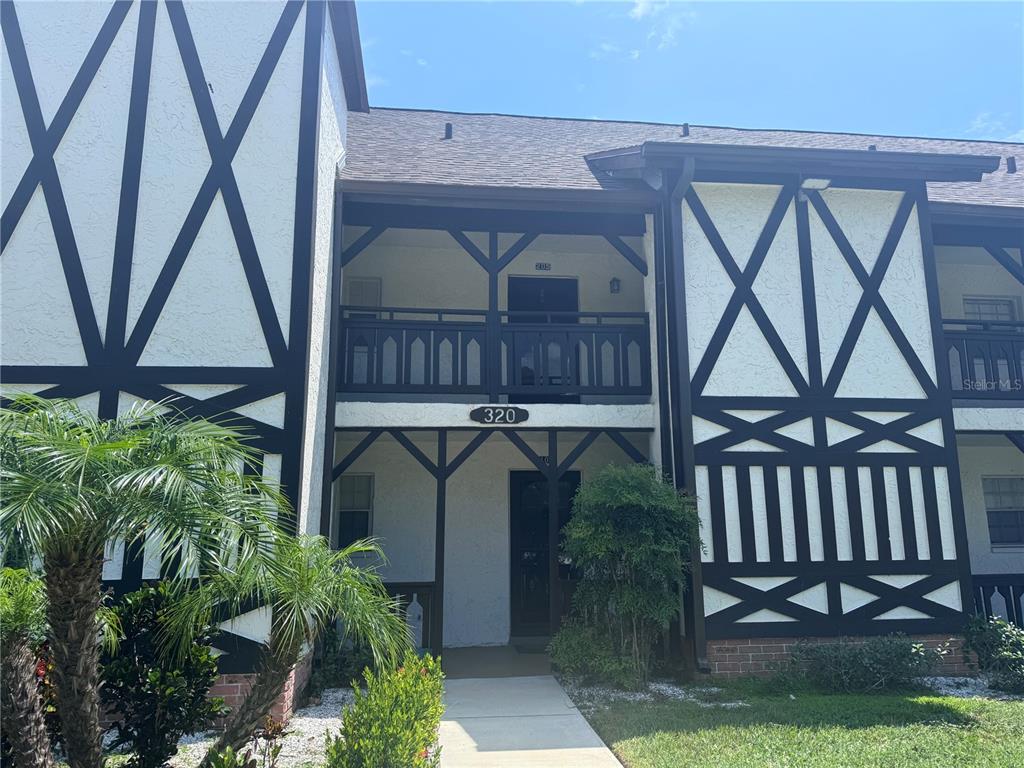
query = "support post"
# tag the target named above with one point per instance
(441, 476)
(493, 346)
(554, 583)
(683, 470)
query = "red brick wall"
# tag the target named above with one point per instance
(234, 688)
(765, 655)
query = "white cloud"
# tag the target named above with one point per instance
(644, 8)
(664, 32)
(421, 63)
(375, 81)
(665, 20)
(634, 54)
(988, 125)
(604, 49)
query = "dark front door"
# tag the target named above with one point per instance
(542, 295)
(530, 585)
(539, 357)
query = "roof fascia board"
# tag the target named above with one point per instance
(515, 198)
(978, 215)
(345, 27)
(481, 219)
(804, 161)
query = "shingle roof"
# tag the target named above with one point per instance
(488, 150)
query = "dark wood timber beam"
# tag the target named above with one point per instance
(680, 396)
(628, 253)
(361, 243)
(1007, 262)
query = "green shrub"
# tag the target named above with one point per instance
(629, 539)
(394, 723)
(587, 655)
(229, 758)
(339, 665)
(867, 665)
(156, 701)
(999, 647)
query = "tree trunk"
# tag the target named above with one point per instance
(24, 724)
(243, 722)
(73, 600)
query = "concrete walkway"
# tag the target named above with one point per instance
(517, 722)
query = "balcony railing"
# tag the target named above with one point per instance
(1000, 595)
(462, 351)
(986, 359)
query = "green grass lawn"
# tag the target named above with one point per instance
(811, 729)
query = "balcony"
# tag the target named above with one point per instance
(986, 359)
(522, 356)
(1000, 595)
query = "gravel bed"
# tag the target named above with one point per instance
(591, 697)
(305, 735)
(967, 687)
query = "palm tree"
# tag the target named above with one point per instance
(73, 483)
(309, 587)
(22, 628)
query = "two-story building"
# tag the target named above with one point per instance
(818, 335)
(436, 325)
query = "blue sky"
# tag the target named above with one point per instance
(951, 69)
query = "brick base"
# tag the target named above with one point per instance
(234, 688)
(760, 657)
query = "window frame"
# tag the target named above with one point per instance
(339, 510)
(1018, 510)
(1012, 301)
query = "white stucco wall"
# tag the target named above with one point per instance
(748, 367)
(996, 419)
(965, 271)
(560, 415)
(987, 456)
(427, 268)
(476, 600)
(331, 149)
(210, 318)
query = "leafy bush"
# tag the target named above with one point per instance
(157, 700)
(999, 646)
(864, 666)
(394, 723)
(629, 538)
(229, 758)
(339, 665)
(586, 654)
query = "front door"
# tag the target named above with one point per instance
(539, 301)
(542, 295)
(530, 579)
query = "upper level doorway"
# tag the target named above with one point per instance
(542, 301)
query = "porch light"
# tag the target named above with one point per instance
(614, 285)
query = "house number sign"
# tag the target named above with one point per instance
(499, 414)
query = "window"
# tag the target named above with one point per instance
(363, 292)
(1004, 504)
(355, 508)
(988, 308)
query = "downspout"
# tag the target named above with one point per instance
(679, 376)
